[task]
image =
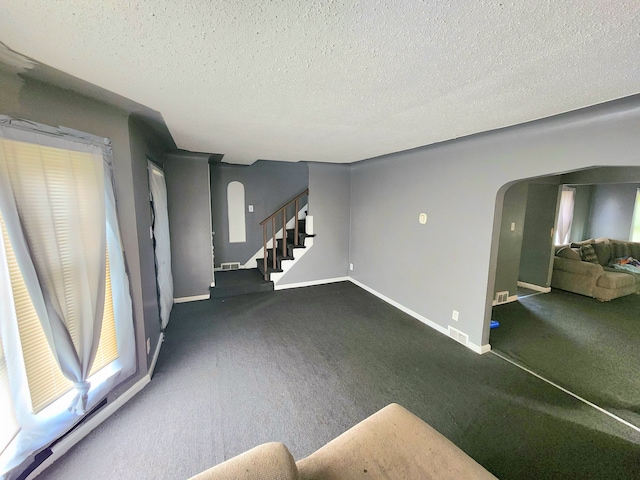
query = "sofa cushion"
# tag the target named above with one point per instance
(392, 443)
(619, 249)
(570, 253)
(588, 254)
(269, 461)
(603, 252)
(634, 248)
(615, 280)
(583, 242)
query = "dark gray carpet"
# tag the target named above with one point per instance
(239, 282)
(589, 347)
(302, 366)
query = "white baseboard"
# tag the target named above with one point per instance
(510, 299)
(311, 283)
(87, 427)
(532, 286)
(445, 331)
(195, 298)
(155, 355)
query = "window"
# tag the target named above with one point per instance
(62, 348)
(46, 381)
(565, 216)
(635, 223)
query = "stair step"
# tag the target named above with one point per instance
(270, 269)
(239, 282)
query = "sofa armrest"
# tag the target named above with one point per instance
(270, 461)
(392, 443)
(578, 267)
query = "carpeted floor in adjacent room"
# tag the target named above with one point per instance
(586, 346)
(301, 366)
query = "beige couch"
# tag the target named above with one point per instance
(584, 268)
(391, 444)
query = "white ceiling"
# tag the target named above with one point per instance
(336, 81)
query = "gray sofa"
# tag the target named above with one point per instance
(585, 268)
(391, 444)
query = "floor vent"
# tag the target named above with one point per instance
(458, 336)
(230, 266)
(502, 297)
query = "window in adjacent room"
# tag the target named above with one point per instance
(635, 223)
(565, 216)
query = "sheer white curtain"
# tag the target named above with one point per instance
(158, 188)
(635, 222)
(47, 225)
(565, 215)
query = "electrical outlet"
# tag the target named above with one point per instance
(148, 345)
(351, 267)
(454, 315)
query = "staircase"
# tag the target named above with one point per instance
(295, 239)
(281, 248)
(280, 245)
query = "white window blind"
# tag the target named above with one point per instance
(46, 382)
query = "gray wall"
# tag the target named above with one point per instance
(144, 143)
(537, 242)
(187, 178)
(612, 210)
(581, 213)
(47, 104)
(329, 201)
(267, 185)
(508, 262)
(450, 263)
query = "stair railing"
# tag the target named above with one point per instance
(281, 212)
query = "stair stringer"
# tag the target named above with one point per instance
(252, 262)
(298, 253)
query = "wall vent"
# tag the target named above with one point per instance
(458, 336)
(502, 297)
(230, 266)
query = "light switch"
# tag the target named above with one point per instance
(250, 208)
(422, 218)
(513, 226)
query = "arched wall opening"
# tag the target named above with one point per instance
(601, 191)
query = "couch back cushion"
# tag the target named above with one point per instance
(634, 247)
(583, 242)
(619, 249)
(603, 252)
(570, 253)
(588, 254)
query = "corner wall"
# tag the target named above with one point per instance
(187, 178)
(144, 143)
(612, 210)
(450, 263)
(329, 201)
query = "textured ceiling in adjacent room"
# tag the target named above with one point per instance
(336, 81)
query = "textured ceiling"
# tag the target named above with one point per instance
(336, 81)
